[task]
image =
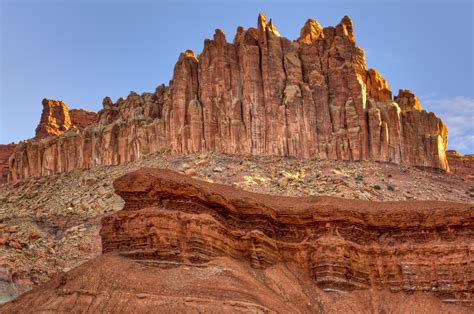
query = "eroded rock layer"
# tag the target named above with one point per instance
(262, 94)
(111, 284)
(342, 244)
(82, 118)
(181, 244)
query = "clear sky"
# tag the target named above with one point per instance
(82, 51)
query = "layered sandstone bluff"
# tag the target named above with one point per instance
(182, 244)
(262, 94)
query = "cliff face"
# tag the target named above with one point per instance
(182, 244)
(56, 119)
(264, 95)
(82, 118)
(5, 153)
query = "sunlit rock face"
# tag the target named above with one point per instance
(262, 94)
(55, 119)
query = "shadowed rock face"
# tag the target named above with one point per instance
(462, 165)
(181, 243)
(262, 94)
(82, 118)
(5, 153)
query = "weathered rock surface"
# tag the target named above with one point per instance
(82, 118)
(223, 285)
(462, 165)
(182, 244)
(5, 153)
(55, 119)
(262, 94)
(407, 100)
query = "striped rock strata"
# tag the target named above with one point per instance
(184, 244)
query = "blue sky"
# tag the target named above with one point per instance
(82, 51)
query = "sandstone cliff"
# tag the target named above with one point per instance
(82, 118)
(262, 94)
(182, 244)
(56, 119)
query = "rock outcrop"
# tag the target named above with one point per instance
(407, 100)
(5, 153)
(462, 165)
(181, 243)
(55, 119)
(82, 118)
(262, 94)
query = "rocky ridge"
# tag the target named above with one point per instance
(185, 244)
(263, 95)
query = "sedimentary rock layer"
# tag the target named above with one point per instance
(341, 244)
(114, 284)
(82, 118)
(181, 244)
(262, 94)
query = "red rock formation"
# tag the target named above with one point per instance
(82, 118)
(264, 95)
(377, 87)
(407, 100)
(182, 244)
(55, 119)
(462, 165)
(5, 153)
